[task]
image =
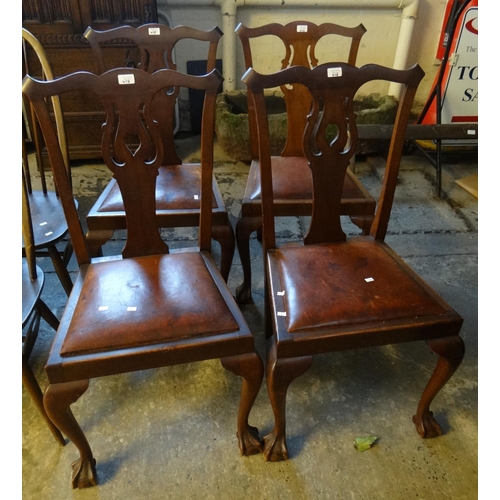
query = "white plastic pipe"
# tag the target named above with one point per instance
(229, 9)
(408, 16)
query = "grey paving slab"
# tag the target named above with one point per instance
(170, 433)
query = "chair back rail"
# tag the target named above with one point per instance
(128, 96)
(155, 42)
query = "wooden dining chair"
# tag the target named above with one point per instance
(33, 310)
(150, 307)
(292, 181)
(49, 225)
(333, 293)
(177, 180)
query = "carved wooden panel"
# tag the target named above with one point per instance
(106, 14)
(52, 17)
(59, 26)
(49, 19)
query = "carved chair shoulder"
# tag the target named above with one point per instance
(302, 36)
(155, 43)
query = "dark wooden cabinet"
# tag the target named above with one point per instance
(59, 26)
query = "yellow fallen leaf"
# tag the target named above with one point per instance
(364, 443)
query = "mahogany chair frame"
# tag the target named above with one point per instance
(176, 204)
(152, 307)
(291, 177)
(333, 293)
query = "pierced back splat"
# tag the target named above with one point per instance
(300, 39)
(156, 43)
(128, 118)
(128, 96)
(329, 160)
(332, 87)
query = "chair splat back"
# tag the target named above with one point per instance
(155, 43)
(300, 39)
(178, 181)
(128, 98)
(292, 181)
(332, 87)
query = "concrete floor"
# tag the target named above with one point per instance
(170, 433)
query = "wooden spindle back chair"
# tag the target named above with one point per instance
(33, 310)
(49, 225)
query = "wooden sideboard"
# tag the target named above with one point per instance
(59, 26)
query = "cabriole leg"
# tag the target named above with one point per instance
(251, 368)
(451, 352)
(364, 222)
(61, 270)
(96, 239)
(224, 235)
(57, 401)
(244, 228)
(280, 374)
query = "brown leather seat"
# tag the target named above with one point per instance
(393, 294)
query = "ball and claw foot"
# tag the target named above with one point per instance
(84, 473)
(275, 449)
(249, 443)
(426, 425)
